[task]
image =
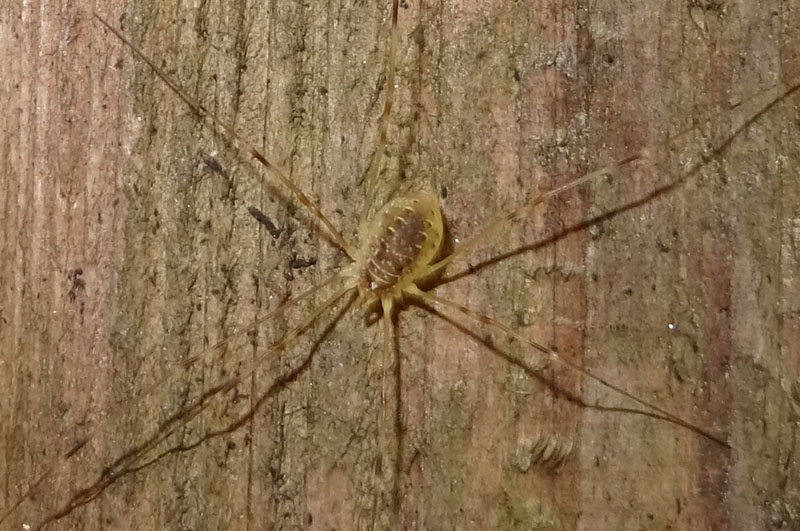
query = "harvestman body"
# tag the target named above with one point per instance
(397, 249)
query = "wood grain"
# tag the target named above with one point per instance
(127, 246)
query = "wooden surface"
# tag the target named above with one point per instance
(127, 247)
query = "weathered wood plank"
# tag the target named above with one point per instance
(127, 246)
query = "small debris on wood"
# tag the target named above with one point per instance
(264, 220)
(78, 284)
(214, 165)
(72, 451)
(300, 263)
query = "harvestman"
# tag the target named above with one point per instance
(397, 249)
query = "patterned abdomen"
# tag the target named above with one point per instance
(402, 242)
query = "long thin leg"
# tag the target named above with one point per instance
(381, 463)
(492, 229)
(129, 460)
(388, 330)
(553, 355)
(486, 234)
(276, 384)
(64, 456)
(200, 109)
(383, 123)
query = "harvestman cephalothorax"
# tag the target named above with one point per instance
(397, 249)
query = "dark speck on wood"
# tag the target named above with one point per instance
(264, 220)
(299, 263)
(214, 165)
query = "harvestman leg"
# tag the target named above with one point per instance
(387, 359)
(487, 234)
(383, 124)
(244, 144)
(131, 460)
(276, 173)
(100, 429)
(491, 230)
